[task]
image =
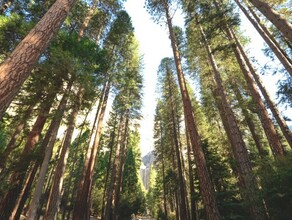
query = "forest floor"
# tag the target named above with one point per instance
(95, 218)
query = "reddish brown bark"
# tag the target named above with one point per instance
(17, 67)
(182, 193)
(47, 150)
(55, 192)
(87, 19)
(11, 145)
(249, 121)
(18, 176)
(267, 38)
(123, 152)
(81, 211)
(191, 179)
(205, 183)
(246, 178)
(281, 23)
(18, 209)
(110, 146)
(281, 122)
(111, 188)
(265, 119)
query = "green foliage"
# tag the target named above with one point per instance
(285, 91)
(230, 204)
(132, 197)
(4, 135)
(12, 30)
(276, 178)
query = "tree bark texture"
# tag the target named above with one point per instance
(81, 211)
(24, 192)
(87, 19)
(266, 121)
(283, 58)
(205, 183)
(111, 188)
(122, 159)
(55, 192)
(17, 67)
(239, 151)
(281, 23)
(182, 193)
(249, 121)
(110, 146)
(18, 176)
(47, 150)
(191, 179)
(281, 122)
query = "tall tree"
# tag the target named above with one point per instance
(165, 68)
(157, 8)
(55, 192)
(120, 35)
(273, 16)
(8, 202)
(19, 64)
(266, 35)
(239, 150)
(47, 146)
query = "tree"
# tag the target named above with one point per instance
(157, 8)
(239, 150)
(19, 64)
(281, 23)
(268, 38)
(170, 87)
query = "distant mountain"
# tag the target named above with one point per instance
(147, 161)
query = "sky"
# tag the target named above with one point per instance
(154, 45)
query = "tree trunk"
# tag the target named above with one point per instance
(183, 195)
(281, 122)
(175, 191)
(249, 121)
(11, 145)
(239, 151)
(110, 146)
(70, 195)
(164, 186)
(25, 192)
(87, 19)
(184, 179)
(205, 183)
(283, 58)
(55, 193)
(267, 123)
(191, 179)
(81, 211)
(271, 36)
(111, 188)
(10, 198)
(281, 23)
(17, 67)
(47, 149)
(50, 177)
(123, 153)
